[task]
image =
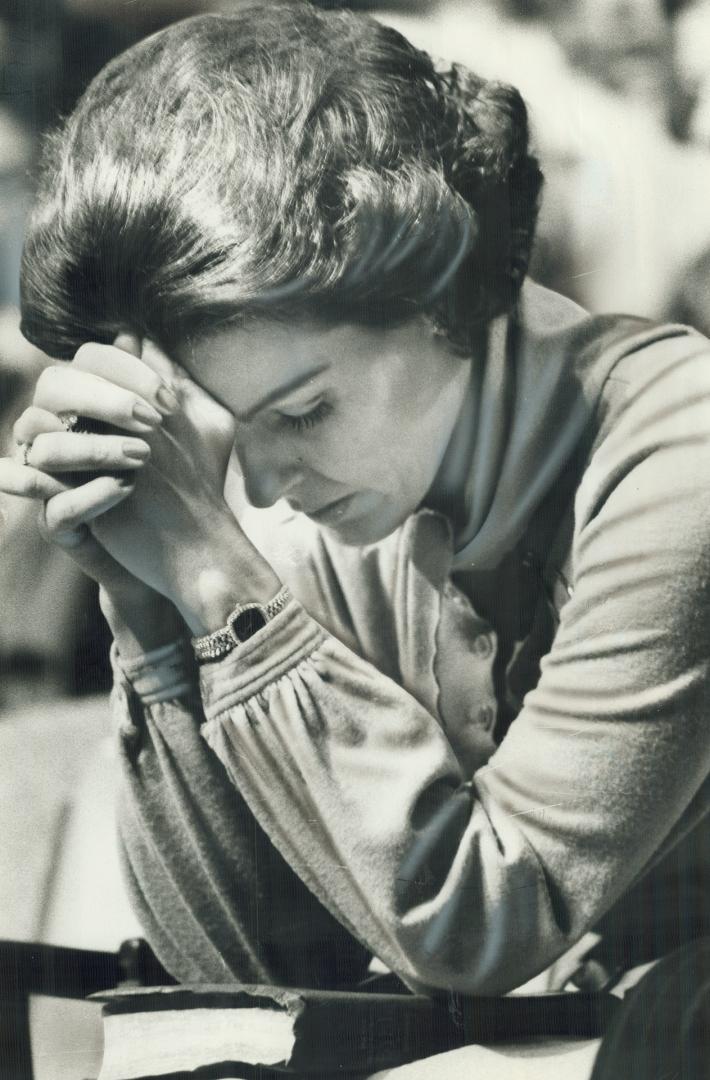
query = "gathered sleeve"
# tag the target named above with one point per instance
(476, 881)
(358, 787)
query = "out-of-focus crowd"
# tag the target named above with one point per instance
(619, 96)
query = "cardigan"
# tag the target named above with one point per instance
(457, 753)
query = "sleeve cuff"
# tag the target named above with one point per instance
(159, 675)
(285, 641)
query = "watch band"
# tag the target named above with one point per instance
(242, 623)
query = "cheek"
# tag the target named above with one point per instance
(392, 455)
(362, 451)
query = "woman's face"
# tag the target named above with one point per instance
(348, 423)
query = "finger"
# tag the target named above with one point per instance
(28, 483)
(196, 402)
(64, 514)
(162, 364)
(66, 388)
(128, 342)
(123, 368)
(70, 451)
(69, 539)
(198, 409)
(208, 416)
(34, 421)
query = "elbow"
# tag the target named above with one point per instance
(473, 960)
(467, 912)
(462, 943)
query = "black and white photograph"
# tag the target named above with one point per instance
(355, 539)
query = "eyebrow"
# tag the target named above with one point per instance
(281, 392)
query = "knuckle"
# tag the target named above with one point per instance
(47, 381)
(50, 517)
(59, 520)
(70, 521)
(100, 452)
(42, 486)
(85, 356)
(42, 526)
(7, 472)
(33, 485)
(19, 426)
(41, 452)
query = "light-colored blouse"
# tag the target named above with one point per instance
(468, 747)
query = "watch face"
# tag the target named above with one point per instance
(247, 622)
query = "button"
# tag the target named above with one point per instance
(483, 645)
(529, 560)
(486, 716)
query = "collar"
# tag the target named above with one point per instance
(528, 412)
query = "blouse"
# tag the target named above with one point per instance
(461, 749)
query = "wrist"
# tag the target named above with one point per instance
(234, 574)
(140, 620)
(246, 620)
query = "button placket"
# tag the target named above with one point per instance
(486, 717)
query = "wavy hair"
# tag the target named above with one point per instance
(279, 162)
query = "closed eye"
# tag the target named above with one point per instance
(302, 421)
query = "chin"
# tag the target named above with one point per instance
(368, 529)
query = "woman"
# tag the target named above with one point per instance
(476, 725)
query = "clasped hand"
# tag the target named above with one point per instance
(154, 513)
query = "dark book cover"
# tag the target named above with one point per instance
(330, 1032)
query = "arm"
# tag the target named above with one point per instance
(463, 882)
(214, 898)
(477, 883)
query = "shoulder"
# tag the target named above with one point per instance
(642, 464)
(658, 357)
(654, 401)
(643, 496)
(553, 325)
(632, 372)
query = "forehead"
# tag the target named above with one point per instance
(270, 340)
(259, 358)
(241, 366)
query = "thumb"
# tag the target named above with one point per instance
(159, 361)
(128, 342)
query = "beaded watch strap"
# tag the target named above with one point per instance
(220, 642)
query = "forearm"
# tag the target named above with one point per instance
(355, 783)
(469, 884)
(215, 899)
(229, 571)
(140, 620)
(208, 583)
(357, 786)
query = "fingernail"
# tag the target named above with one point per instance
(146, 414)
(138, 451)
(167, 399)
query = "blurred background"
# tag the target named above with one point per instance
(619, 95)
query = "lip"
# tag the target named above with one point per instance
(331, 512)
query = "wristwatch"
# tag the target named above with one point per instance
(245, 621)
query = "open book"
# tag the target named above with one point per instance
(225, 1031)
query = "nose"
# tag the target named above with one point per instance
(269, 473)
